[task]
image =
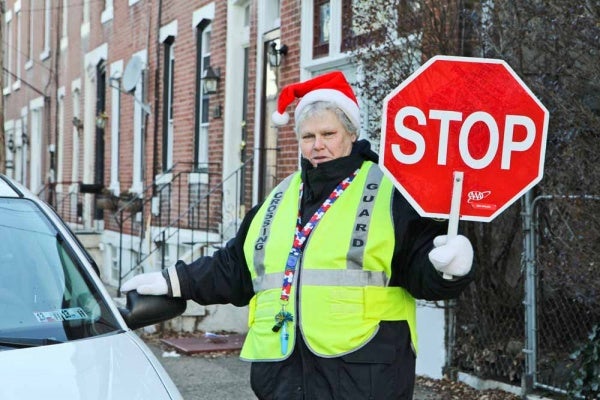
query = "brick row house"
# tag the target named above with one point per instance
(146, 124)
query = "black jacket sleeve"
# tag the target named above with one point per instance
(221, 278)
(411, 267)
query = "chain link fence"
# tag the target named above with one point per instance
(491, 332)
(567, 258)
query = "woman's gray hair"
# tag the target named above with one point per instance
(318, 107)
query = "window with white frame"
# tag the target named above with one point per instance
(47, 16)
(77, 129)
(85, 25)
(335, 28)
(321, 35)
(139, 125)
(19, 23)
(355, 31)
(35, 141)
(18, 156)
(8, 52)
(29, 62)
(116, 71)
(203, 38)
(108, 12)
(64, 32)
(61, 137)
(168, 85)
(9, 146)
(21, 140)
(167, 36)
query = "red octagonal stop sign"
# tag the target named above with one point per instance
(470, 115)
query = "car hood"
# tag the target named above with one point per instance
(117, 366)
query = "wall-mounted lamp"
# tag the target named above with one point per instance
(276, 54)
(11, 144)
(210, 80)
(77, 123)
(101, 120)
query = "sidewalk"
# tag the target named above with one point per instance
(208, 367)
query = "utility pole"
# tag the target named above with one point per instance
(2, 50)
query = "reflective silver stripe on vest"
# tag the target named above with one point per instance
(358, 240)
(265, 229)
(326, 277)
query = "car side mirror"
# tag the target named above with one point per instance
(142, 310)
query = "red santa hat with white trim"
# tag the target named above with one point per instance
(332, 87)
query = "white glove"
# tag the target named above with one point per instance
(452, 257)
(153, 283)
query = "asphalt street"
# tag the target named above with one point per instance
(207, 377)
(220, 376)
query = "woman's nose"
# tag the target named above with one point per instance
(318, 144)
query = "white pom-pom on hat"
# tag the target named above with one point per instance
(280, 119)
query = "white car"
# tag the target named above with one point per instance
(61, 335)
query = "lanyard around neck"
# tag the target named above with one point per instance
(302, 233)
(283, 317)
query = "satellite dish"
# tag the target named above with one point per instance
(132, 73)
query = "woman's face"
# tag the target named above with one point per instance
(323, 138)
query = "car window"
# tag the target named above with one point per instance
(44, 291)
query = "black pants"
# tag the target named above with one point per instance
(382, 369)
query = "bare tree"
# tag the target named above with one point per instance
(554, 46)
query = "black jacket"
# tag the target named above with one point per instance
(382, 369)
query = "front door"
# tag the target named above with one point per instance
(268, 149)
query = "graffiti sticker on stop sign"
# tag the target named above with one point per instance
(473, 116)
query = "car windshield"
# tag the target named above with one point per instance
(46, 295)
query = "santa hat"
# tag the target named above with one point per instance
(332, 87)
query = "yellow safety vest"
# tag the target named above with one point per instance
(342, 277)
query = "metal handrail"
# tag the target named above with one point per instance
(173, 225)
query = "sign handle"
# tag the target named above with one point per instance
(454, 208)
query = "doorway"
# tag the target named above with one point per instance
(268, 146)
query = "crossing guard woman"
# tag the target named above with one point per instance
(330, 264)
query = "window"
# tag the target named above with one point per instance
(61, 139)
(169, 66)
(17, 69)
(8, 52)
(321, 27)
(29, 62)
(47, 15)
(116, 70)
(139, 126)
(9, 146)
(107, 13)
(203, 35)
(343, 25)
(85, 26)
(64, 34)
(77, 129)
(37, 124)
(167, 36)
(22, 142)
(361, 23)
